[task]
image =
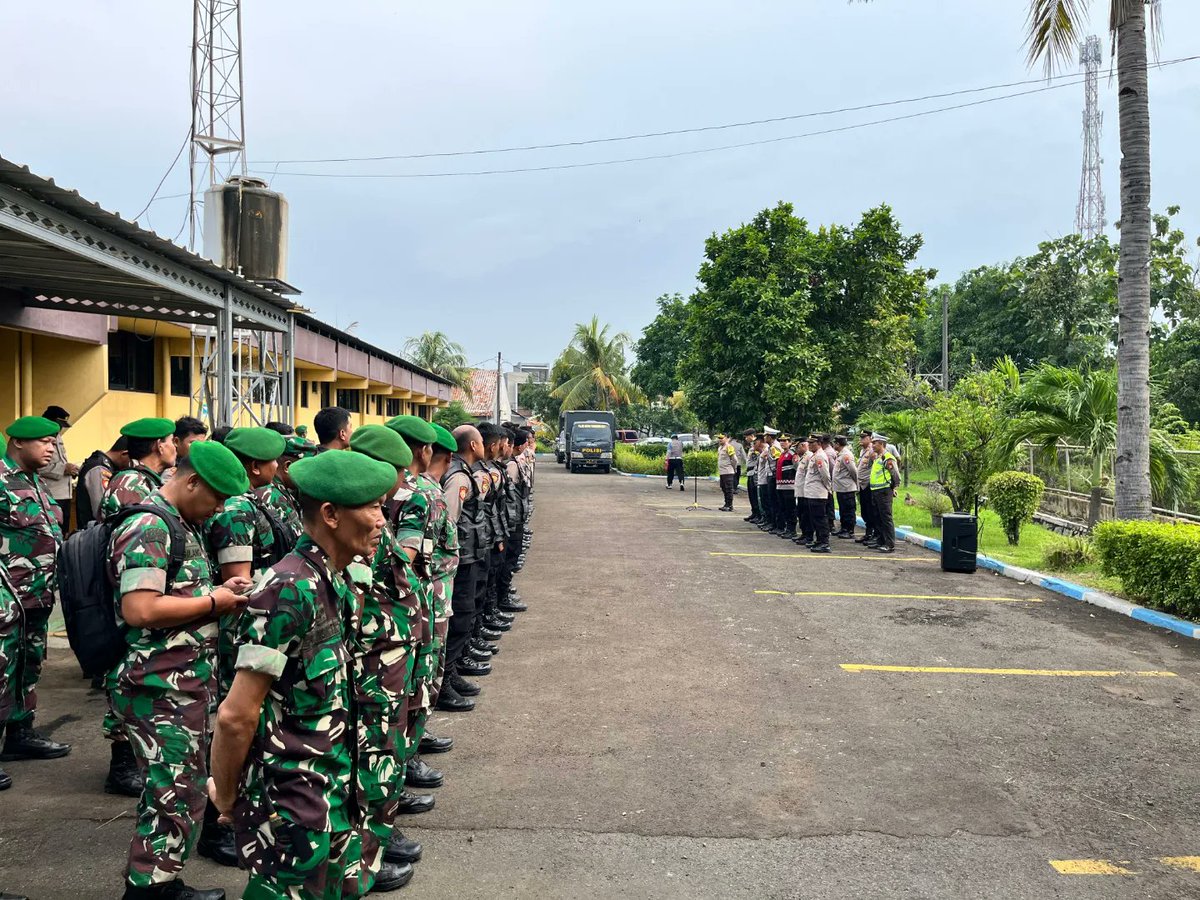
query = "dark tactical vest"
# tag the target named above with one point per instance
(514, 498)
(495, 531)
(471, 517)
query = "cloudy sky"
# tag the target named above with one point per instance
(96, 96)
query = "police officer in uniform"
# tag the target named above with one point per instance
(785, 489)
(752, 450)
(885, 478)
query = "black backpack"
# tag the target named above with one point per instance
(282, 540)
(86, 590)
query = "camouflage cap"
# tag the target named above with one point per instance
(150, 429)
(382, 443)
(344, 479)
(260, 444)
(414, 428)
(444, 438)
(219, 468)
(32, 428)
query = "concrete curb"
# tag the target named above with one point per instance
(663, 477)
(1067, 589)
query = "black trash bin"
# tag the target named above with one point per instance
(960, 542)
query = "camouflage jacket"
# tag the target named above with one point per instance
(284, 504)
(127, 487)
(10, 609)
(179, 658)
(30, 536)
(298, 628)
(445, 546)
(387, 625)
(241, 533)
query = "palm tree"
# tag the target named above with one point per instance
(435, 352)
(1054, 30)
(1081, 408)
(903, 428)
(591, 372)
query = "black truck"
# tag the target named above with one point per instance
(588, 438)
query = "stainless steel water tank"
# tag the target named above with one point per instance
(246, 229)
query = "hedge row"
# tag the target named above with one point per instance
(1157, 563)
(695, 462)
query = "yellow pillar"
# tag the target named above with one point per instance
(26, 373)
(163, 349)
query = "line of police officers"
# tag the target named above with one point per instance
(327, 601)
(801, 490)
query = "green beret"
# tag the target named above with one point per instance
(261, 444)
(344, 479)
(445, 438)
(219, 468)
(382, 443)
(413, 427)
(302, 430)
(32, 428)
(149, 429)
(295, 446)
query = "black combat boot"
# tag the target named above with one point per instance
(124, 776)
(391, 877)
(431, 743)
(22, 742)
(450, 700)
(401, 849)
(473, 668)
(461, 686)
(171, 890)
(217, 841)
(5, 784)
(414, 804)
(419, 774)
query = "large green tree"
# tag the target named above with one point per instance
(592, 372)
(791, 322)
(660, 348)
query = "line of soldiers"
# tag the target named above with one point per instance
(321, 599)
(801, 490)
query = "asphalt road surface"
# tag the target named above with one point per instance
(688, 710)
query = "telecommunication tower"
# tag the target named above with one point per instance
(1089, 214)
(218, 136)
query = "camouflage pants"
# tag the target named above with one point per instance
(10, 655)
(289, 862)
(443, 595)
(29, 666)
(168, 733)
(426, 681)
(380, 779)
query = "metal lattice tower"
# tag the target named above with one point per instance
(1089, 214)
(218, 144)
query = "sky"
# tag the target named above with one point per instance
(96, 95)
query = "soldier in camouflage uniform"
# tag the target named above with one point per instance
(384, 654)
(30, 536)
(152, 450)
(445, 564)
(415, 525)
(286, 749)
(281, 496)
(162, 686)
(10, 652)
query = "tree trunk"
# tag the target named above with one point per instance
(1132, 489)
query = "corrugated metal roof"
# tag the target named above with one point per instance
(314, 324)
(47, 191)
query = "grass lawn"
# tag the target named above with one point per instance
(1029, 554)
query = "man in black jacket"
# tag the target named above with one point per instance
(94, 474)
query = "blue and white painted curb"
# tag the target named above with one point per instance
(1067, 589)
(639, 475)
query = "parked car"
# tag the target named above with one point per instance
(560, 448)
(654, 442)
(626, 436)
(705, 441)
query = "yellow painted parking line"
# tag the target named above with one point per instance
(1088, 867)
(956, 670)
(1191, 863)
(879, 556)
(902, 596)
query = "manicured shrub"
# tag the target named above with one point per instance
(1069, 553)
(697, 463)
(936, 502)
(627, 459)
(1014, 497)
(650, 451)
(1157, 563)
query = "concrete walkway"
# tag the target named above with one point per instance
(693, 709)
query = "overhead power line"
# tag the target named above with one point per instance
(1070, 78)
(672, 155)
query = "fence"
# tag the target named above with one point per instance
(1068, 476)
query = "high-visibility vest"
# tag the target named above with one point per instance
(880, 476)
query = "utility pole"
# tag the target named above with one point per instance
(945, 341)
(497, 388)
(1089, 213)
(218, 135)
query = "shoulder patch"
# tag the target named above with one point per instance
(462, 492)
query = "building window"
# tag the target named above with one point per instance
(130, 362)
(350, 400)
(304, 392)
(325, 389)
(393, 408)
(181, 376)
